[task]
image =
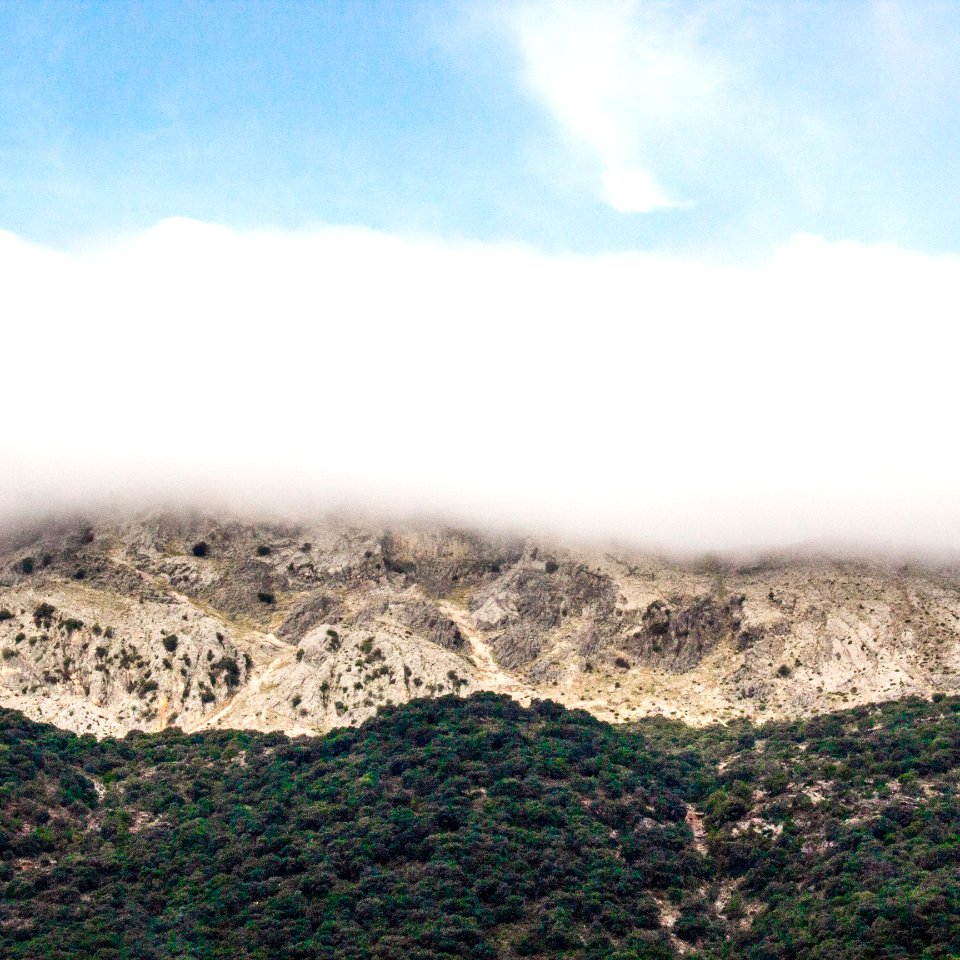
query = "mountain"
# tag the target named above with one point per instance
(212, 622)
(474, 827)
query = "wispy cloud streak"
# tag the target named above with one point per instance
(628, 80)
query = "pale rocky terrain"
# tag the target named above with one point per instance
(201, 622)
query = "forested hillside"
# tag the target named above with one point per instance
(479, 828)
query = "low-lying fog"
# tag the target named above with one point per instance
(686, 405)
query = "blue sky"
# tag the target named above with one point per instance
(698, 126)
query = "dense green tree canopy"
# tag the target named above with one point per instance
(478, 828)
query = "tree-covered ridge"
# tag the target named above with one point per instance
(845, 832)
(478, 828)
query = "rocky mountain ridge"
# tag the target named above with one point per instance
(201, 621)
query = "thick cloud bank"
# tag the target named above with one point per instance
(813, 396)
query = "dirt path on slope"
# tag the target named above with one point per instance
(490, 675)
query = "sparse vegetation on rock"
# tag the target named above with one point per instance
(707, 641)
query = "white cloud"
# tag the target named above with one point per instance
(631, 81)
(633, 190)
(652, 398)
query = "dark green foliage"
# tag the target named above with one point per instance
(478, 828)
(170, 642)
(263, 550)
(200, 549)
(853, 843)
(43, 614)
(5, 614)
(228, 668)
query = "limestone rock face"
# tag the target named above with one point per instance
(316, 609)
(207, 621)
(97, 661)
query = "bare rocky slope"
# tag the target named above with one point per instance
(202, 622)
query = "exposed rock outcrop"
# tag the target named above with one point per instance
(204, 621)
(676, 634)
